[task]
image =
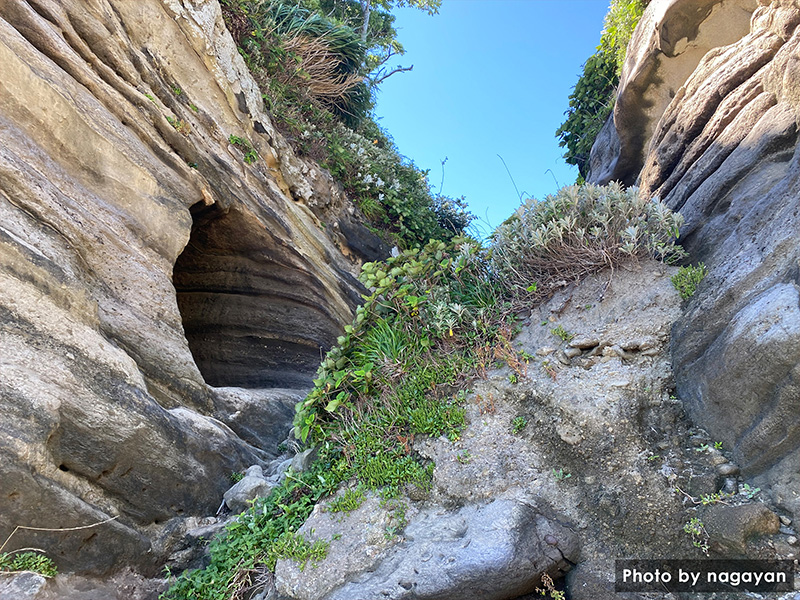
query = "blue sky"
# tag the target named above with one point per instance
(490, 77)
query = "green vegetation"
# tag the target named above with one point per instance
(749, 492)
(261, 536)
(579, 231)
(250, 154)
(317, 76)
(349, 501)
(180, 125)
(562, 333)
(27, 561)
(698, 533)
(518, 424)
(687, 279)
(593, 97)
(560, 475)
(435, 318)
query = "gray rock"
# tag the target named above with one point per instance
(706, 119)
(584, 342)
(727, 469)
(303, 460)
(730, 527)
(495, 551)
(129, 281)
(670, 41)
(24, 586)
(572, 352)
(239, 497)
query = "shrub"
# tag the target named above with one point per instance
(310, 69)
(687, 278)
(578, 231)
(27, 561)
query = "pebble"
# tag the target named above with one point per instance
(545, 350)
(791, 540)
(584, 343)
(731, 486)
(717, 459)
(786, 520)
(562, 358)
(572, 352)
(727, 469)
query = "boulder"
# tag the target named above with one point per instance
(494, 551)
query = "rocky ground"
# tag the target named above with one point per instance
(574, 456)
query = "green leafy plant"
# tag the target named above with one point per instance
(578, 231)
(560, 475)
(236, 476)
(688, 278)
(562, 333)
(549, 590)
(35, 562)
(518, 424)
(350, 500)
(464, 457)
(715, 498)
(250, 154)
(179, 125)
(698, 533)
(749, 492)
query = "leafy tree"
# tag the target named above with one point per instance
(592, 99)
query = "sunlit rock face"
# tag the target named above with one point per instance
(144, 263)
(722, 148)
(670, 41)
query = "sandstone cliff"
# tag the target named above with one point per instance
(144, 257)
(707, 118)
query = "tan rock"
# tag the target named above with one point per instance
(106, 407)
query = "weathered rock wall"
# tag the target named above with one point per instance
(724, 151)
(116, 174)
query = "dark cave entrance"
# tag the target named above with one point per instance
(253, 312)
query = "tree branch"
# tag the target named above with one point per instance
(379, 77)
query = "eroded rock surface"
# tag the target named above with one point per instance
(671, 39)
(582, 458)
(724, 152)
(119, 185)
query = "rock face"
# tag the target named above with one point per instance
(572, 466)
(669, 42)
(142, 261)
(495, 551)
(724, 151)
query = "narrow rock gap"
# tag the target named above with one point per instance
(254, 314)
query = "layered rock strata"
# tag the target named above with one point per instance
(145, 259)
(724, 152)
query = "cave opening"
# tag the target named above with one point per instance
(253, 311)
